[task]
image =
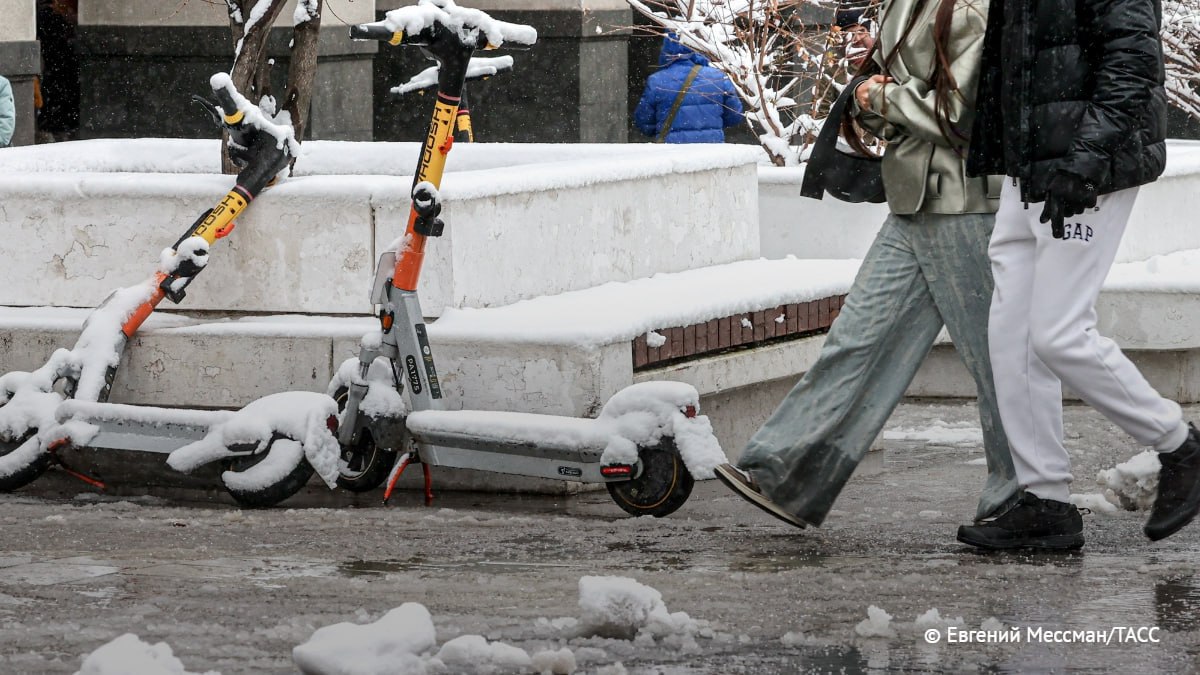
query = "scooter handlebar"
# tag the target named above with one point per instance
(374, 31)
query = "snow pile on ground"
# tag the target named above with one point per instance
(1094, 502)
(128, 655)
(1171, 273)
(301, 416)
(382, 399)
(1132, 484)
(403, 642)
(877, 624)
(395, 644)
(940, 433)
(468, 23)
(622, 608)
(641, 414)
(933, 619)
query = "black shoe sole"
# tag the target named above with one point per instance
(1058, 542)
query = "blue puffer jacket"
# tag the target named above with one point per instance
(709, 105)
(8, 118)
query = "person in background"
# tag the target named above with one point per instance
(856, 35)
(687, 100)
(8, 113)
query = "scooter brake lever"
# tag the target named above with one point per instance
(213, 111)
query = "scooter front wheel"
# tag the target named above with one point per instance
(364, 464)
(21, 463)
(265, 478)
(662, 487)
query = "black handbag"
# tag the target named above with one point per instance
(847, 176)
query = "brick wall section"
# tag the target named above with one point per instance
(739, 330)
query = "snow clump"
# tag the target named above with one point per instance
(1132, 484)
(622, 608)
(877, 624)
(128, 654)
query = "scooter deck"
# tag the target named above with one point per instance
(524, 444)
(140, 428)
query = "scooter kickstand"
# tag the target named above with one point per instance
(428, 484)
(402, 463)
(72, 472)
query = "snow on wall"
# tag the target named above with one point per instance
(1162, 221)
(309, 244)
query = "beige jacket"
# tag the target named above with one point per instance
(922, 170)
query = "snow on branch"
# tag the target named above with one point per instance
(782, 69)
(1181, 50)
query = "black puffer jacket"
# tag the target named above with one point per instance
(1074, 85)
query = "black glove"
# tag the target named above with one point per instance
(1067, 195)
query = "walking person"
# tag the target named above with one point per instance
(928, 267)
(1072, 110)
(687, 100)
(8, 113)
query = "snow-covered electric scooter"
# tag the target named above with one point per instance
(384, 409)
(84, 374)
(648, 442)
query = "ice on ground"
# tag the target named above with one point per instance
(554, 662)
(128, 655)
(940, 433)
(622, 608)
(473, 653)
(877, 624)
(397, 643)
(404, 642)
(933, 619)
(992, 624)
(1132, 484)
(1095, 502)
(301, 416)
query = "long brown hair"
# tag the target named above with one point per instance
(941, 79)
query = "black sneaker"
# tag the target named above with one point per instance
(1178, 489)
(1028, 522)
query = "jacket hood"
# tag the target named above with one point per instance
(673, 52)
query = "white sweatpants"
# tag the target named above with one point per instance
(1042, 333)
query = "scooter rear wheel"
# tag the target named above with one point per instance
(365, 464)
(265, 496)
(663, 486)
(29, 471)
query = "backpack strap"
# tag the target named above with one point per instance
(687, 84)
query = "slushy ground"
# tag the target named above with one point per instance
(234, 591)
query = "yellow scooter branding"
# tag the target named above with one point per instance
(217, 224)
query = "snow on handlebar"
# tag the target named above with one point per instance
(416, 24)
(232, 102)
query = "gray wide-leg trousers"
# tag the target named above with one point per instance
(922, 271)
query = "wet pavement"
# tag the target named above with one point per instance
(234, 591)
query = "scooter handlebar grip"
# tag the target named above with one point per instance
(229, 107)
(374, 31)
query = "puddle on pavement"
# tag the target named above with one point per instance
(358, 568)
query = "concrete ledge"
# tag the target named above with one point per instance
(1162, 221)
(522, 221)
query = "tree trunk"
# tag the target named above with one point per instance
(302, 70)
(250, 71)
